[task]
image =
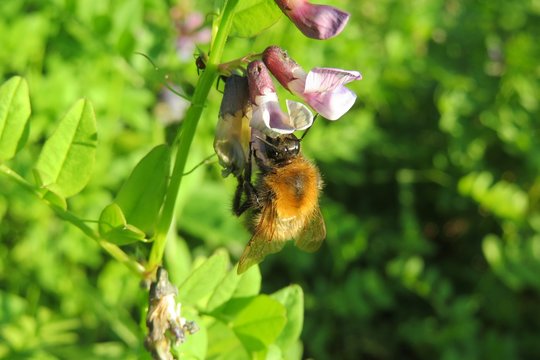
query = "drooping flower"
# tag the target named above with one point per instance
(166, 326)
(267, 115)
(231, 141)
(322, 88)
(315, 21)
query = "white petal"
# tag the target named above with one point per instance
(297, 87)
(266, 98)
(327, 79)
(269, 119)
(299, 73)
(301, 117)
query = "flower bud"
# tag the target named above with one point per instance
(232, 136)
(315, 21)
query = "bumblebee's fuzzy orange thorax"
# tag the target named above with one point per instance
(295, 188)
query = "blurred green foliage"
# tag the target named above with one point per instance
(432, 195)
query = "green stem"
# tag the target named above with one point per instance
(111, 248)
(224, 28)
(187, 133)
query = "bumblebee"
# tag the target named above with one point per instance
(283, 204)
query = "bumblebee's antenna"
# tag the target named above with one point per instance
(305, 132)
(267, 143)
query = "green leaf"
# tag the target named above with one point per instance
(224, 291)
(141, 196)
(125, 235)
(204, 279)
(110, 218)
(54, 199)
(273, 352)
(294, 352)
(258, 322)
(249, 283)
(14, 114)
(254, 16)
(234, 285)
(224, 344)
(66, 161)
(292, 297)
(113, 227)
(177, 257)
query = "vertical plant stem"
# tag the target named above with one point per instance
(186, 138)
(187, 133)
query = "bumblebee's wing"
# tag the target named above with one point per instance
(312, 234)
(262, 242)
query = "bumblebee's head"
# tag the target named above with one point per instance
(282, 148)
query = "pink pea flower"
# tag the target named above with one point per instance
(322, 88)
(315, 21)
(267, 116)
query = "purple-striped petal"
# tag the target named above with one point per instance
(327, 79)
(331, 104)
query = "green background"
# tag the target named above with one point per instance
(432, 187)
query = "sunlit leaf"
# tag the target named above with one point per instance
(234, 285)
(249, 283)
(254, 16)
(258, 322)
(224, 344)
(178, 260)
(141, 196)
(54, 199)
(110, 218)
(67, 158)
(113, 227)
(203, 279)
(292, 297)
(14, 114)
(224, 291)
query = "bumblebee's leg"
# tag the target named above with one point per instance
(248, 170)
(251, 200)
(249, 189)
(240, 207)
(244, 187)
(261, 162)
